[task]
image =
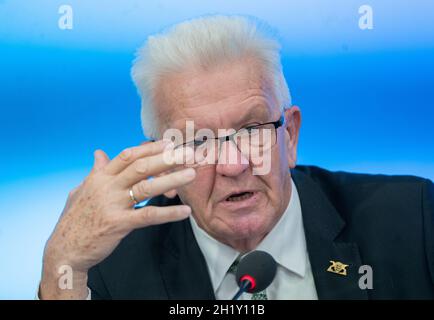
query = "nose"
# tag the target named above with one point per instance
(231, 161)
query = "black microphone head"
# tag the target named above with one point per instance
(259, 266)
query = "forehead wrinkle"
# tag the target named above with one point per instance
(249, 75)
(257, 109)
(238, 99)
(250, 113)
(179, 97)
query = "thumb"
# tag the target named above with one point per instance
(100, 159)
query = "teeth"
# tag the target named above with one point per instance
(241, 197)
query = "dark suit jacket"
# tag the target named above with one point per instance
(386, 222)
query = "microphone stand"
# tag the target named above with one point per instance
(243, 288)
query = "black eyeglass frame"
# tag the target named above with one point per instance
(277, 124)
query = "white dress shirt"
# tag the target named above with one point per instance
(286, 242)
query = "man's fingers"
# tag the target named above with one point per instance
(151, 215)
(129, 155)
(153, 165)
(100, 159)
(171, 194)
(153, 187)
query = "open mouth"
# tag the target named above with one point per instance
(240, 196)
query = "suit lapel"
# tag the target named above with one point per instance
(322, 225)
(182, 265)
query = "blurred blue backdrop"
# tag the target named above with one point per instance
(367, 97)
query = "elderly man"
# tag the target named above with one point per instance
(332, 235)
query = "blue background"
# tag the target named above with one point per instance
(367, 97)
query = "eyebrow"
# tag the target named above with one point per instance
(258, 111)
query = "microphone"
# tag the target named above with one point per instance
(255, 272)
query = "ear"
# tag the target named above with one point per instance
(292, 127)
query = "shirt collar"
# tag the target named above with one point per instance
(286, 243)
(218, 256)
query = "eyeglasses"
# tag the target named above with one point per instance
(252, 142)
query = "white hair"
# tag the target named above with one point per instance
(204, 42)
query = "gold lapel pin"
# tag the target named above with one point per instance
(338, 268)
